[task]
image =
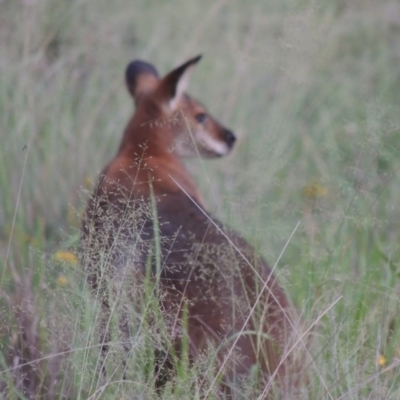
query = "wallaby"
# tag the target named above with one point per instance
(214, 290)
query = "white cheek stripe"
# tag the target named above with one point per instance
(212, 144)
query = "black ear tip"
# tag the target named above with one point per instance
(189, 63)
(137, 67)
(196, 59)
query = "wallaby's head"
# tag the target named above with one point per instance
(174, 120)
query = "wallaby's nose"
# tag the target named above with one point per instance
(229, 137)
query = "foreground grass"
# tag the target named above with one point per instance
(313, 93)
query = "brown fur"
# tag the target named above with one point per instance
(205, 267)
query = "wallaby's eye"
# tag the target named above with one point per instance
(201, 117)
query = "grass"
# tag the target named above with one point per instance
(311, 90)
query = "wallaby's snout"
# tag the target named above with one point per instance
(229, 138)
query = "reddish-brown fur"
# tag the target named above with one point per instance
(205, 267)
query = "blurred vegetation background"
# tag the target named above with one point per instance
(312, 90)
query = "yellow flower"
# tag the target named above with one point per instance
(315, 190)
(382, 360)
(62, 280)
(88, 182)
(65, 256)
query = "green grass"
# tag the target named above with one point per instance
(313, 93)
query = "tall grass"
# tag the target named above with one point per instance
(311, 89)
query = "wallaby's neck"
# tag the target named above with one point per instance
(145, 154)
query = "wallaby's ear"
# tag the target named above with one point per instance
(141, 79)
(173, 85)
